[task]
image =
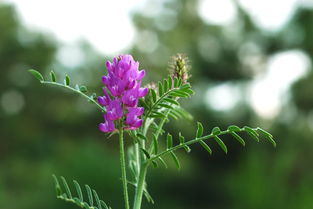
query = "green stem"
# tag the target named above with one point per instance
(160, 126)
(123, 168)
(140, 186)
(157, 103)
(142, 170)
(196, 140)
(137, 153)
(76, 91)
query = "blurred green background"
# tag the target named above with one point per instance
(242, 73)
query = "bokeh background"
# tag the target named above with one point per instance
(251, 65)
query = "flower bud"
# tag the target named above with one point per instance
(179, 67)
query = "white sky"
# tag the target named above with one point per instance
(222, 97)
(106, 24)
(269, 90)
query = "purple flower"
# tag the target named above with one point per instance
(107, 126)
(132, 119)
(123, 84)
(104, 100)
(114, 110)
(130, 97)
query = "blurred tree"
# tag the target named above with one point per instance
(44, 131)
(257, 178)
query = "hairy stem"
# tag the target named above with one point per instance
(140, 186)
(155, 157)
(123, 168)
(76, 91)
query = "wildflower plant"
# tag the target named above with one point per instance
(141, 113)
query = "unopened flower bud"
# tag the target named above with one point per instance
(179, 67)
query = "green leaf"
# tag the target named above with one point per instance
(252, 133)
(77, 201)
(175, 113)
(189, 91)
(185, 86)
(199, 130)
(83, 89)
(160, 89)
(206, 147)
(175, 158)
(57, 185)
(268, 136)
(104, 204)
(158, 115)
(172, 101)
(236, 136)
(176, 82)
(89, 195)
(67, 189)
(180, 81)
(154, 95)
(216, 131)
(67, 80)
(181, 138)
(155, 144)
(221, 143)
(155, 164)
(264, 132)
(162, 161)
(179, 94)
(53, 77)
(97, 199)
(169, 140)
(79, 191)
(141, 136)
(36, 74)
(171, 114)
(148, 196)
(251, 130)
(166, 106)
(233, 128)
(170, 82)
(165, 85)
(93, 96)
(86, 206)
(187, 148)
(145, 152)
(182, 92)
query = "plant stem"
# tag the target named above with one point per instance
(193, 141)
(123, 168)
(76, 91)
(137, 153)
(140, 186)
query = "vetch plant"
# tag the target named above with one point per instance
(141, 113)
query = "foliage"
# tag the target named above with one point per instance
(80, 89)
(159, 105)
(79, 200)
(55, 132)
